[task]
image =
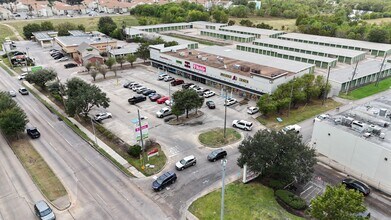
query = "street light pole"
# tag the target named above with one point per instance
(223, 164)
(225, 114)
(93, 129)
(141, 137)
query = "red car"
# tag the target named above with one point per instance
(162, 99)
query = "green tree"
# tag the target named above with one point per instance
(379, 35)
(29, 29)
(106, 25)
(131, 58)
(143, 51)
(266, 104)
(82, 97)
(220, 16)
(94, 73)
(88, 66)
(6, 102)
(81, 27)
(337, 203)
(177, 110)
(64, 28)
(13, 119)
(110, 62)
(186, 100)
(47, 26)
(240, 11)
(118, 34)
(41, 77)
(195, 15)
(231, 22)
(278, 155)
(121, 60)
(102, 70)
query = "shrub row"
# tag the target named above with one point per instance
(291, 199)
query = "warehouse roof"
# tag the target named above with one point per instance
(77, 40)
(208, 23)
(44, 35)
(311, 47)
(363, 69)
(251, 30)
(228, 33)
(168, 38)
(132, 31)
(160, 25)
(77, 33)
(339, 41)
(127, 49)
(291, 53)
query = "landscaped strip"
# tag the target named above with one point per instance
(7, 69)
(242, 201)
(38, 169)
(215, 137)
(368, 90)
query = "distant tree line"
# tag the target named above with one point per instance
(62, 28)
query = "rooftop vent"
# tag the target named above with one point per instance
(182, 54)
(382, 112)
(256, 71)
(199, 56)
(366, 135)
(236, 66)
(204, 58)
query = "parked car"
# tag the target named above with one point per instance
(193, 86)
(217, 155)
(177, 82)
(186, 162)
(230, 101)
(55, 53)
(168, 78)
(136, 99)
(135, 87)
(242, 124)
(169, 102)
(59, 56)
(208, 94)
(43, 211)
(152, 94)
(148, 91)
(23, 91)
(356, 185)
(33, 132)
(22, 76)
(70, 65)
(164, 180)
(102, 116)
(163, 112)
(161, 76)
(252, 110)
(296, 128)
(187, 85)
(210, 104)
(141, 90)
(199, 89)
(155, 97)
(12, 93)
(162, 99)
(132, 84)
(126, 85)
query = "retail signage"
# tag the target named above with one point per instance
(225, 75)
(187, 64)
(199, 67)
(234, 77)
(165, 58)
(178, 61)
(243, 80)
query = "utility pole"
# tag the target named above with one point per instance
(225, 114)
(93, 129)
(325, 88)
(141, 136)
(27, 62)
(290, 100)
(381, 69)
(350, 82)
(223, 164)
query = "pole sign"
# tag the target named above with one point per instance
(144, 129)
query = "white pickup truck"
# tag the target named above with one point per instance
(294, 127)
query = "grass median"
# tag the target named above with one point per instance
(215, 138)
(5, 32)
(38, 169)
(242, 201)
(367, 90)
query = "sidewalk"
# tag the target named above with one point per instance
(90, 135)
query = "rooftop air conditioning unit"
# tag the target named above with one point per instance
(204, 58)
(245, 68)
(376, 131)
(366, 135)
(199, 56)
(190, 53)
(236, 66)
(182, 54)
(382, 112)
(347, 121)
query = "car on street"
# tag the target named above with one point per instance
(33, 132)
(242, 124)
(187, 85)
(155, 97)
(177, 82)
(217, 155)
(164, 180)
(166, 111)
(161, 76)
(210, 104)
(162, 99)
(12, 93)
(321, 117)
(22, 76)
(102, 116)
(168, 78)
(136, 99)
(63, 59)
(208, 94)
(148, 91)
(296, 128)
(43, 211)
(230, 101)
(356, 185)
(70, 65)
(252, 110)
(23, 91)
(186, 162)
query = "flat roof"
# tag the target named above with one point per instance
(128, 48)
(77, 40)
(279, 63)
(77, 33)
(291, 53)
(228, 33)
(44, 35)
(251, 30)
(207, 23)
(168, 38)
(311, 47)
(363, 69)
(339, 41)
(161, 25)
(132, 31)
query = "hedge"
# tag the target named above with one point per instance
(291, 199)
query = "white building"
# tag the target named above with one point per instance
(358, 141)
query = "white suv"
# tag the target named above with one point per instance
(242, 124)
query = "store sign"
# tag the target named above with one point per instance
(178, 61)
(165, 58)
(225, 75)
(243, 80)
(234, 78)
(199, 67)
(187, 64)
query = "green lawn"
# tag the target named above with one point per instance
(215, 137)
(367, 90)
(378, 20)
(242, 201)
(4, 33)
(277, 23)
(297, 115)
(90, 23)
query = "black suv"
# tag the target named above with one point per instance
(356, 185)
(33, 133)
(136, 99)
(217, 154)
(164, 180)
